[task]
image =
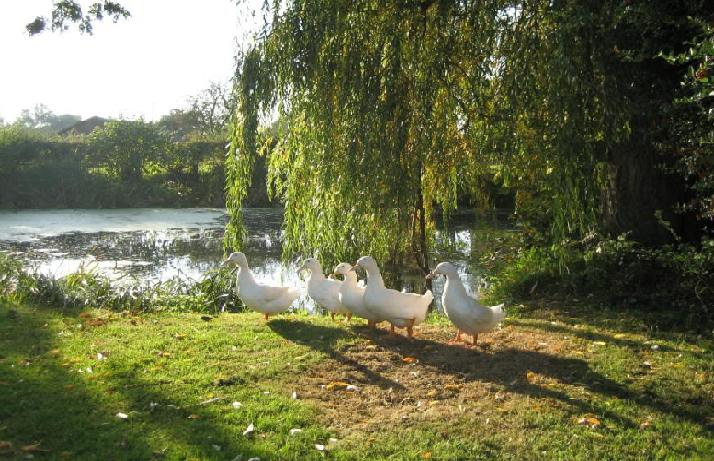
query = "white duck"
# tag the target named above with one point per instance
(404, 310)
(324, 291)
(465, 311)
(261, 298)
(351, 293)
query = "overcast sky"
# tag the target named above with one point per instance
(145, 65)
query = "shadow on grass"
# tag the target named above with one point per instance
(508, 368)
(45, 403)
(48, 403)
(324, 339)
(566, 329)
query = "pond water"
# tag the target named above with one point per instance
(139, 247)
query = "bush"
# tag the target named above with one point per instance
(675, 281)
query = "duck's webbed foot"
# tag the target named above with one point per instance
(457, 339)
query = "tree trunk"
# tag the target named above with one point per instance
(639, 197)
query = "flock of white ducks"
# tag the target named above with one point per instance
(373, 302)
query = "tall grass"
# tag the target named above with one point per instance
(214, 293)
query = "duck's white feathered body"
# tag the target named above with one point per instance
(400, 309)
(263, 298)
(351, 292)
(325, 292)
(260, 298)
(464, 311)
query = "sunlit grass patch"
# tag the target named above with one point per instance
(99, 384)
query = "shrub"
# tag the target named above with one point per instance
(676, 281)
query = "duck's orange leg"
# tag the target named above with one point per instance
(410, 329)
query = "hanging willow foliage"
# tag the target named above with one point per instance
(386, 108)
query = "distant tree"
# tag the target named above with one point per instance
(181, 123)
(213, 107)
(65, 12)
(43, 119)
(126, 147)
(207, 114)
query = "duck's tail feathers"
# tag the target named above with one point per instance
(499, 312)
(428, 296)
(293, 293)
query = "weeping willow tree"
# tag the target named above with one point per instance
(385, 109)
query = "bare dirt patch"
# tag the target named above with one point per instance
(401, 381)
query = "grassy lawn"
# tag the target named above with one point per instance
(556, 385)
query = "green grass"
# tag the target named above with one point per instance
(176, 376)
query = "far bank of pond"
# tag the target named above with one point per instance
(138, 247)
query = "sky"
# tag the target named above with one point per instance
(144, 66)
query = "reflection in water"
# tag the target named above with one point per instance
(143, 246)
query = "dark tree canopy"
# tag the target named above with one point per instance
(388, 109)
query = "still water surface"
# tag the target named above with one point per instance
(145, 246)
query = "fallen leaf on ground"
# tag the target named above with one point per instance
(249, 430)
(426, 455)
(589, 420)
(164, 354)
(645, 424)
(409, 360)
(295, 431)
(211, 400)
(599, 343)
(194, 416)
(33, 448)
(5, 445)
(85, 315)
(179, 336)
(336, 386)
(95, 322)
(237, 405)
(452, 387)
(54, 352)
(121, 415)
(432, 393)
